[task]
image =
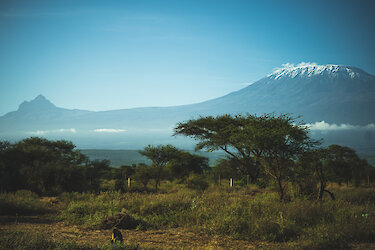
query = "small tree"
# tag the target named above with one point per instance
(159, 155)
(281, 142)
(314, 165)
(225, 168)
(43, 166)
(183, 163)
(344, 162)
(144, 174)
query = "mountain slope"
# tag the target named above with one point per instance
(333, 93)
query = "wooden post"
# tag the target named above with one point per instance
(368, 181)
(219, 180)
(129, 183)
(247, 179)
(231, 182)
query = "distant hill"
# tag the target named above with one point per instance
(335, 94)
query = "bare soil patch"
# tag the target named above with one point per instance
(169, 238)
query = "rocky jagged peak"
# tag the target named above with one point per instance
(40, 103)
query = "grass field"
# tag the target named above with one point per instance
(178, 217)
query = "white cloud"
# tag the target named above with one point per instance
(39, 132)
(109, 130)
(73, 130)
(292, 65)
(62, 130)
(306, 64)
(324, 126)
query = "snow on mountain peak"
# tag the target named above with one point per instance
(312, 69)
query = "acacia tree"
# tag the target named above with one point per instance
(313, 164)
(275, 141)
(159, 155)
(226, 133)
(344, 162)
(335, 163)
(183, 163)
(144, 174)
(43, 166)
(281, 141)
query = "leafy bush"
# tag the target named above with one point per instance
(121, 220)
(196, 182)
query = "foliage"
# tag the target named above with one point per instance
(226, 133)
(43, 166)
(197, 182)
(332, 164)
(183, 163)
(273, 141)
(144, 174)
(159, 155)
(166, 159)
(344, 163)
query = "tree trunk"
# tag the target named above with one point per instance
(281, 189)
(157, 179)
(321, 191)
(368, 181)
(330, 193)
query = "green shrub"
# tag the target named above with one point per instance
(123, 221)
(197, 182)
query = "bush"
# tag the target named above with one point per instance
(196, 182)
(122, 221)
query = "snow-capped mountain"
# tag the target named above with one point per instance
(335, 94)
(303, 70)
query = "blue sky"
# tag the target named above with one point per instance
(101, 55)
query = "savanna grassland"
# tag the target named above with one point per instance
(179, 217)
(286, 192)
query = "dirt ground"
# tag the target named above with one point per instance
(164, 239)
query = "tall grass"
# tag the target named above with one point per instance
(22, 202)
(35, 240)
(240, 212)
(40, 241)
